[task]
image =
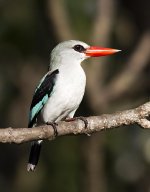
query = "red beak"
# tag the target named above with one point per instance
(100, 51)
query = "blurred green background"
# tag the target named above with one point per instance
(117, 160)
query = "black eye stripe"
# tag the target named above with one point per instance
(79, 48)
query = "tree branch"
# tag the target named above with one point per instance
(56, 11)
(101, 34)
(139, 59)
(95, 124)
(122, 82)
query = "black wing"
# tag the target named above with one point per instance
(41, 95)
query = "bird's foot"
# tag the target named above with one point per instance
(54, 125)
(80, 118)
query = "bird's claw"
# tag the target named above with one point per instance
(54, 125)
(84, 120)
(80, 118)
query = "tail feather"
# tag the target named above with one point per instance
(34, 155)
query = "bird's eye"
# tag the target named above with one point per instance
(79, 48)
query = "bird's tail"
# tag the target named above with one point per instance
(34, 155)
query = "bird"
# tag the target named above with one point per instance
(61, 90)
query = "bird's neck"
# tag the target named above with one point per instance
(65, 64)
(70, 73)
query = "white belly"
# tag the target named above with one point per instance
(66, 96)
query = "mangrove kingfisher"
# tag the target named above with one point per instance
(60, 91)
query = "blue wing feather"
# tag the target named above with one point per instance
(41, 95)
(37, 108)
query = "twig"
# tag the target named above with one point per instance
(95, 124)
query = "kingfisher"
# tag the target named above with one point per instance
(60, 91)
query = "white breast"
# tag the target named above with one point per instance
(67, 94)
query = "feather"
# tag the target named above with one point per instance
(41, 95)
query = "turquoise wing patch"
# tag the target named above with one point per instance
(37, 108)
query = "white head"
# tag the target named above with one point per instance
(75, 52)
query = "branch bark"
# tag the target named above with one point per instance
(95, 123)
